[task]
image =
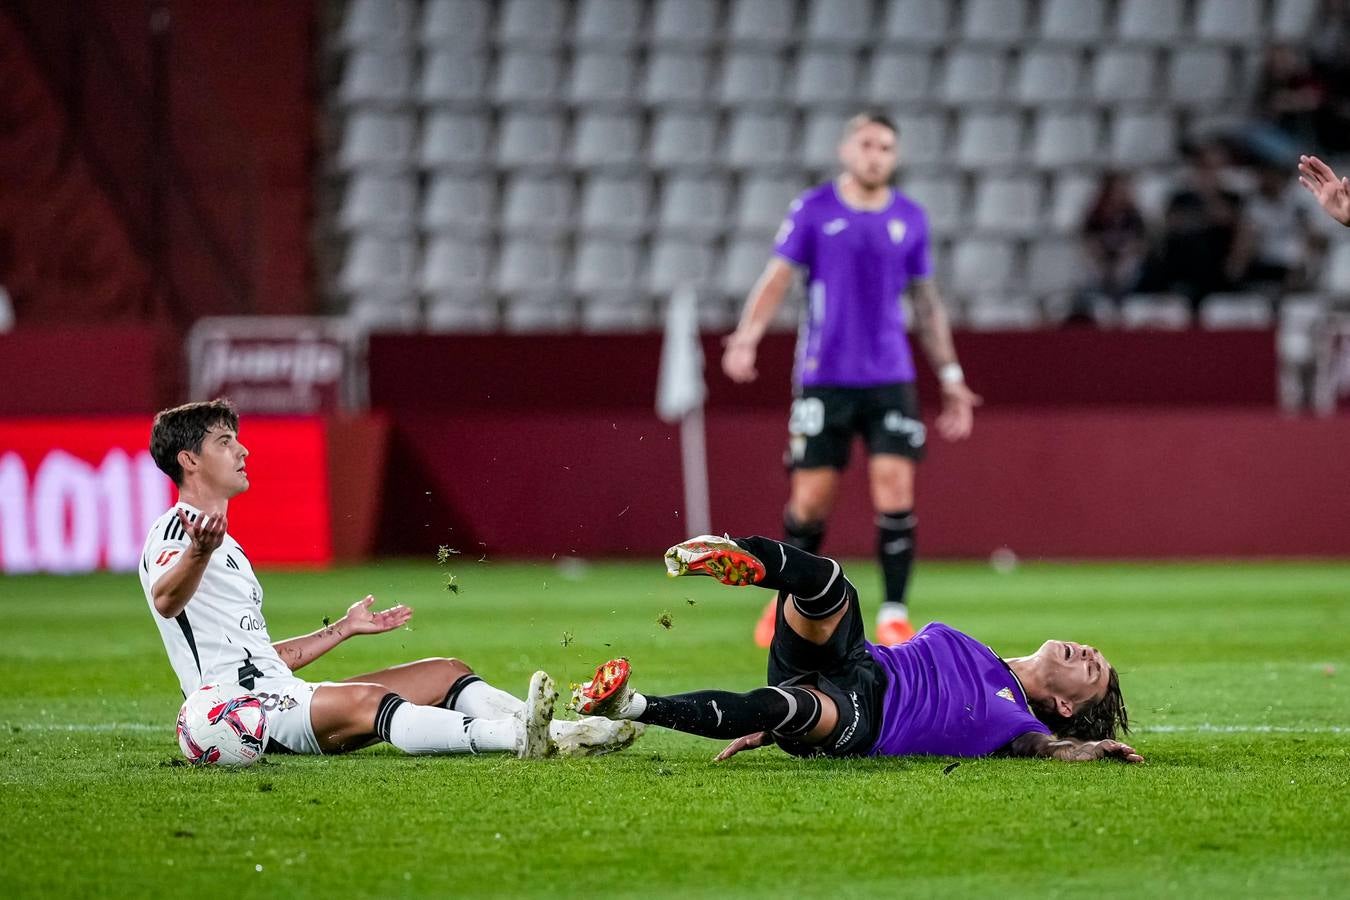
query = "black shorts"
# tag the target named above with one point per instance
(824, 420)
(841, 669)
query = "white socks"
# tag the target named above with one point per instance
(890, 612)
(430, 729)
(636, 706)
(478, 698)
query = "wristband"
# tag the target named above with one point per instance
(951, 373)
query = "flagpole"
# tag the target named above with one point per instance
(694, 453)
(679, 400)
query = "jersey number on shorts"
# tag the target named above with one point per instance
(807, 416)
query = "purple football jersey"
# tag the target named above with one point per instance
(949, 695)
(857, 263)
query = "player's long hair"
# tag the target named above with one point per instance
(184, 428)
(1103, 720)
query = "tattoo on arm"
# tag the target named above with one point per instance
(931, 324)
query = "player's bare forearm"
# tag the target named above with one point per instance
(177, 586)
(765, 298)
(931, 324)
(1044, 746)
(298, 652)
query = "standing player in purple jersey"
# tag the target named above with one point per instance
(831, 693)
(859, 244)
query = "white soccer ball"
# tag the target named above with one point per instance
(222, 725)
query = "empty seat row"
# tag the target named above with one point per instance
(750, 140)
(1190, 75)
(613, 23)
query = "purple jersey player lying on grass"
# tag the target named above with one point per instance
(831, 693)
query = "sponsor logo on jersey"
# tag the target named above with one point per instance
(896, 229)
(248, 622)
(852, 726)
(834, 226)
(164, 557)
(897, 422)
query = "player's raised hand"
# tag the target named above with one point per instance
(1331, 192)
(361, 620)
(738, 359)
(749, 742)
(957, 418)
(207, 533)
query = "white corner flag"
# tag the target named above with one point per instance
(680, 393)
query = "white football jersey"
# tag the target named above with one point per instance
(220, 637)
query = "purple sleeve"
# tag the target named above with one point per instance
(795, 241)
(918, 263)
(1010, 722)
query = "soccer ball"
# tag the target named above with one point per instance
(222, 725)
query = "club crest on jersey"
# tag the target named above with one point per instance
(1007, 694)
(896, 229)
(834, 226)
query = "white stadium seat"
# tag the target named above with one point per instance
(378, 265)
(1157, 311)
(531, 23)
(453, 264)
(455, 23)
(539, 204)
(1064, 139)
(1337, 278)
(377, 24)
(759, 141)
(459, 204)
(453, 76)
(606, 266)
(684, 23)
(1124, 74)
(455, 315)
(1054, 266)
(607, 140)
(982, 266)
(694, 205)
(898, 77)
(1141, 139)
(999, 312)
(839, 22)
(973, 76)
(376, 78)
(826, 77)
(742, 265)
(385, 313)
(615, 204)
(994, 21)
(820, 139)
(923, 22)
(529, 264)
(617, 315)
(923, 139)
(986, 140)
(530, 139)
(1069, 201)
(539, 312)
(683, 139)
(1049, 76)
(1235, 311)
(941, 197)
(527, 76)
(1073, 21)
(677, 77)
(763, 202)
(601, 77)
(379, 203)
(762, 22)
(608, 23)
(752, 77)
(679, 262)
(1229, 21)
(1198, 76)
(376, 140)
(1294, 20)
(1150, 21)
(1008, 204)
(454, 140)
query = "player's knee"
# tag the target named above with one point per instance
(803, 712)
(450, 669)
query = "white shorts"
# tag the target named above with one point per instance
(286, 702)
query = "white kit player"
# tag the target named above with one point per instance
(207, 601)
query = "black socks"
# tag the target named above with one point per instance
(787, 712)
(895, 551)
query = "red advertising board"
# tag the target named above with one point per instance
(79, 494)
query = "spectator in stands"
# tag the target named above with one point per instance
(1330, 53)
(1283, 239)
(1205, 244)
(1115, 237)
(1288, 94)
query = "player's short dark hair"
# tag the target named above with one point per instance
(184, 428)
(870, 117)
(1105, 719)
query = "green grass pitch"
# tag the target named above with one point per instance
(1237, 677)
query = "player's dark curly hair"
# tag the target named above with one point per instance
(184, 428)
(1105, 719)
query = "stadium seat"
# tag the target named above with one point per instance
(1008, 205)
(602, 78)
(380, 313)
(1064, 139)
(454, 140)
(1073, 21)
(456, 315)
(376, 140)
(537, 204)
(530, 139)
(527, 77)
(941, 198)
(826, 77)
(376, 78)
(846, 23)
(528, 264)
(683, 139)
(694, 205)
(677, 262)
(378, 265)
(453, 77)
(459, 205)
(615, 205)
(820, 139)
(455, 264)
(1198, 76)
(763, 202)
(607, 140)
(718, 313)
(752, 78)
(973, 76)
(994, 21)
(538, 312)
(1235, 311)
(1152, 190)
(531, 23)
(455, 23)
(1141, 139)
(1299, 315)
(1124, 75)
(762, 22)
(1294, 20)
(1229, 21)
(899, 77)
(606, 266)
(684, 23)
(999, 312)
(1337, 278)
(616, 315)
(1069, 202)
(986, 140)
(922, 22)
(1157, 311)
(1149, 21)
(923, 139)
(608, 23)
(760, 141)
(381, 203)
(982, 266)
(742, 265)
(677, 78)
(1054, 266)
(1048, 76)
(377, 24)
